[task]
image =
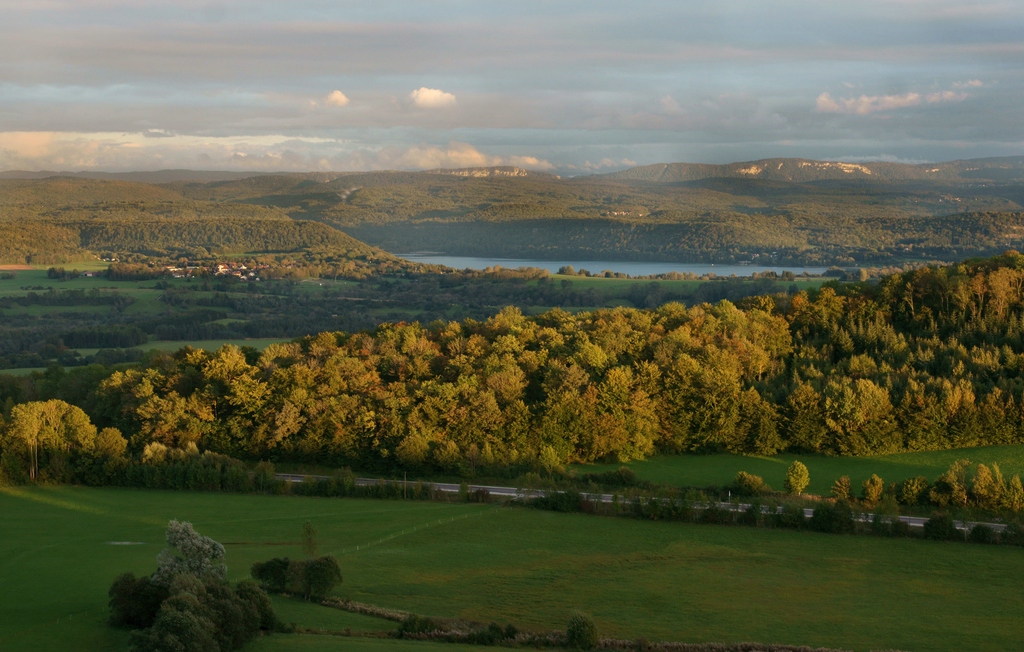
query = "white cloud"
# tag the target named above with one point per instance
(119, 151)
(455, 155)
(866, 103)
(946, 96)
(971, 83)
(431, 98)
(336, 98)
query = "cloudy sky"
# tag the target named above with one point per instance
(570, 86)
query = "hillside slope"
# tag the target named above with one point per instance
(805, 170)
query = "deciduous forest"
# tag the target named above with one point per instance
(925, 360)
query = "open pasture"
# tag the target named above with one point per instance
(720, 469)
(666, 581)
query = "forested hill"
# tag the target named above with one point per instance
(804, 170)
(926, 360)
(64, 220)
(817, 214)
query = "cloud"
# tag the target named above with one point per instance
(118, 151)
(603, 165)
(431, 98)
(336, 98)
(866, 103)
(971, 83)
(946, 96)
(455, 155)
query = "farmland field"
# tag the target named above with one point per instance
(667, 581)
(720, 469)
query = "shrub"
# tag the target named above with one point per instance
(753, 514)
(747, 484)
(581, 633)
(797, 478)
(272, 574)
(263, 477)
(872, 489)
(982, 533)
(951, 487)
(319, 576)
(715, 514)
(134, 602)
(252, 594)
(912, 490)
(561, 501)
(1013, 535)
(941, 527)
(841, 488)
(417, 625)
(835, 518)
(791, 516)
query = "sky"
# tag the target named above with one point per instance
(571, 87)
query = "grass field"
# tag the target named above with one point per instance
(665, 581)
(720, 470)
(300, 643)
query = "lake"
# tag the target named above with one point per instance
(596, 266)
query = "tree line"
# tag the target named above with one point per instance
(925, 360)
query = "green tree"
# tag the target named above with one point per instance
(797, 478)
(319, 576)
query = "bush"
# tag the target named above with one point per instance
(841, 488)
(250, 593)
(872, 490)
(797, 478)
(560, 501)
(134, 602)
(912, 490)
(263, 478)
(791, 516)
(581, 633)
(982, 533)
(715, 514)
(941, 527)
(272, 574)
(835, 518)
(1013, 535)
(417, 625)
(206, 617)
(747, 484)
(319, 576)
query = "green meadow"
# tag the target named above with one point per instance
(664, 581)
(720, 469)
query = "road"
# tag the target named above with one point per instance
(513, 492)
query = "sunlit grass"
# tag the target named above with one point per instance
(667, 581)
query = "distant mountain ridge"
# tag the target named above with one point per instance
(152, 176)
(806, 170)
(798, 170)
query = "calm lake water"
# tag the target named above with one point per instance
(595, 266)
